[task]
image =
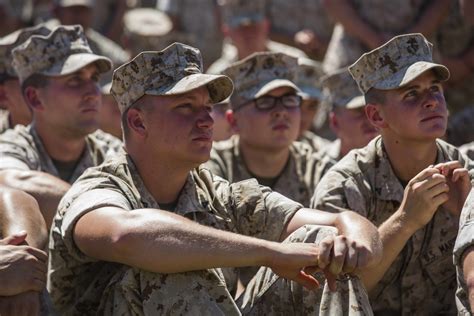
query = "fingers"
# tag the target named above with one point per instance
(461, 173)
(325, 249)
(306, 280)
(447, 167)
(424, 174)
(15, 239)
(331, 279)
(39, 254)
(339, 255)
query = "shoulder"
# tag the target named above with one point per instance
(283, 48)
(105, 141)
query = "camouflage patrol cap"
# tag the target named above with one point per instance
(308, 78)
(241, 12)
(72, 3)
(175, 70)
(260, 73)
(341, 91)
(396, 63)
(64, 51)
(9, 42)
(145, 28)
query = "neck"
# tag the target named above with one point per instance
(408, 158)
(344, 149)
(58, 145)
(244, 52)
(263, 162)
(164, 180)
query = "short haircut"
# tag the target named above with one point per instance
(36, 81)
(374, 96)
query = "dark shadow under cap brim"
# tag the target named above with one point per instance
(75, 62)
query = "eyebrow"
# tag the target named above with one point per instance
(403, 89)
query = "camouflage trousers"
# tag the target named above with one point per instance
(137, 292)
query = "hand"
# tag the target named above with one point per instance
(459, 184)
(308, 41)
(26, 304)
(22, 268)
(422, 197)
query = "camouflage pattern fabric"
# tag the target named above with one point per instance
(468, 150)
(288, 18)
(77, 282)
(22, 148)
(465, 240)
(64, 51)
(9, 42)
(316, 142)
(297, 181)
(268, 294)
(396, 63)
(332, 150)
(260, 73)
(341, 91)
(421, 280)
(308, 78)
(175, 70)
(384, 16)
(4, 121)
(230, 55)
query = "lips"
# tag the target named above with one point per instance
(432, 117)
(203, 138)
(280, 126)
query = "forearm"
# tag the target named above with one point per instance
(428, 23)
(164, 242)
(343, 12)
(468, 271)
(394, 234)
(45, 188)
(20, 212)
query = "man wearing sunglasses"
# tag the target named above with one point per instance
(266, 115)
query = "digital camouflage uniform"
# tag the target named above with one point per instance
(243, 12)
(384, 16)
(421, 280)
(297, 181)
(7, 71)
(464, 240)
(22, 148)
(83, 285)
(308, 79)
(468, 150)
(199, 22)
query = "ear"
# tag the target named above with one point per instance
(32, 97)
(375, 115)
(136, 123)
(231, 119)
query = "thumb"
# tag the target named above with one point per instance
(331, 279)
(15, 239)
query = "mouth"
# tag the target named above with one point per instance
(280, 127)
(203, 138)
(432, 118)
(89, 110)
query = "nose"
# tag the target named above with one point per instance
(93, 90)
(433, 100)
(205, 119)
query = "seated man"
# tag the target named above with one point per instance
(59, 77)
(18, 110)
(464, 259)
(23, 262)
(308, 80)
(168, 225)
(406, 181)
(266, 118)
(347, 116)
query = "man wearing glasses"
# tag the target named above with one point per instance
(266, 115)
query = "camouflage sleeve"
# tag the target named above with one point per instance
(466, 230)
(15, 156)
(338, 192)
(257, 210)
(82, 204)
(217, 165)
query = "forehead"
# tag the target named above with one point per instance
(279, 91)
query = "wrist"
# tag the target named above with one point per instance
(405, 225)
(268, 253)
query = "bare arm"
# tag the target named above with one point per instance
(45, 188)
(20, 212)
(468, 271)
(343, 12)
(431, 18)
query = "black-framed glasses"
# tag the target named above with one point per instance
(267, 102)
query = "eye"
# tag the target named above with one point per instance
(411, 94)
(95, 77)
(435, 88)
(74, 81)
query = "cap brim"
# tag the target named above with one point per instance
(356, 103)
(75, 62)
(407, 75)
(311, 93)
(220, 87)
(274, 84)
